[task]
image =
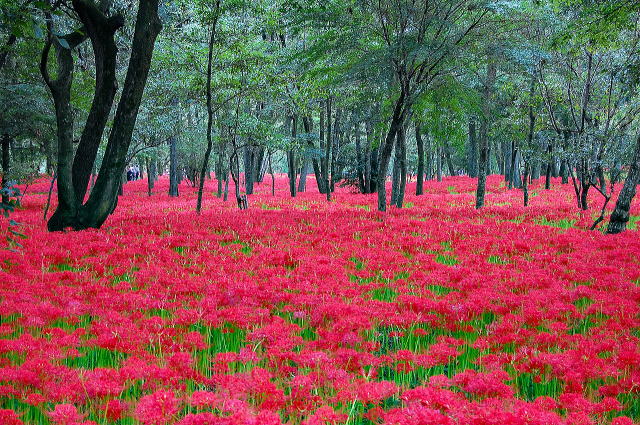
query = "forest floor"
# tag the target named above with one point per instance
(300, 311)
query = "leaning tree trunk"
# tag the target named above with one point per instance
(620, 216)
(484, 133)
(101, 30)
(397, 121)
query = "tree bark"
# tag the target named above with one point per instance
(401, 145)
(487, 94)
(71, 212)
(5, 167)
(397, 120)
(173, 167)
(360, 166)
(207, 153)
(420, 176)
(291, 158)
(472, 166)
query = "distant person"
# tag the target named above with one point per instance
(130, 174)
(136, 172)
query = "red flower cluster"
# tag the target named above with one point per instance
(299, 311)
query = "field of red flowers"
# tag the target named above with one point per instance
(299, 311)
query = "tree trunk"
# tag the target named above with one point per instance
(420, 174)
(484, 133)
(327, 152)
(360, 166)
(447, 154)
(397, 120)
(472, 167)
(335, 147)
(547, 184)
(207, 153)
(401, 145)
(173, 167)
(151, 177)
(5, 167)
(439, 163)
(620, 216)
(71, 212)
(291, 158)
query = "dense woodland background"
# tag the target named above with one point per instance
(347, 91)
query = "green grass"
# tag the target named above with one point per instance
(561, 224)
(447, 260)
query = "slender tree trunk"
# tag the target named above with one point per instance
(291, 159)
(429, 159)
(525, 184)
(487, 94)
(360, 167)
(5, 167)
(173, 167)
(151, 178)
(401, 145)
(547, 184)
(327, 153)
(420, 176)
(335, 142)
(439, 163)
(367, 159)
(322, 179)
(273, 177)
(447, 154)
(207, 153)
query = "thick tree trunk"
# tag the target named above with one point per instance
(620, 216)
(101, 30)
(420, 173)
(70, 211)
(484, 133)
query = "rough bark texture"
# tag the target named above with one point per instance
(71, 212)
(620, 216)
